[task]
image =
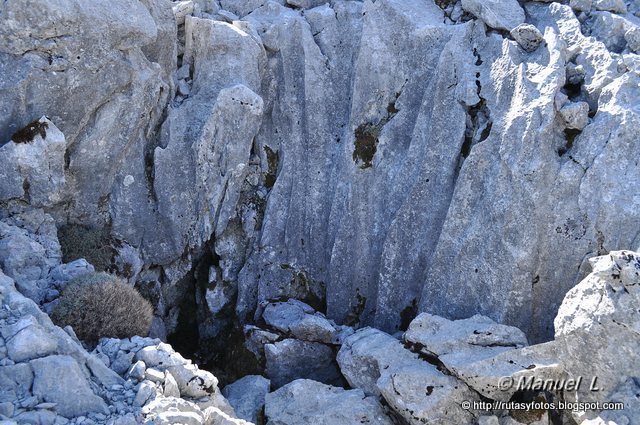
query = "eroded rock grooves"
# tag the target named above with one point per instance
(372, 160)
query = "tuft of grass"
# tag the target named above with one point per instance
(98, 305)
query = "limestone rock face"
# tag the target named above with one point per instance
(306, 402)
(375, 158)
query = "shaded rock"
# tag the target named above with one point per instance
(296, 318)
(59, 379)
(29, 249)
(498, 14)
(31, 342)
(378, 364)
(247, 396)
(306, 402)
(16, 380)
(292, 359)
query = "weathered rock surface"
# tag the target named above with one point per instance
(597, 327)
(498, 14)
(306, 402)
(292, 359)
(378, 364)
(247, 396)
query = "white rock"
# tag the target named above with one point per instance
(146, 392)
(456, 342)
(499, 14)
(136, 371)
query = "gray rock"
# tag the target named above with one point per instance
(105, 376)
(378, 364)
(31, 342)
(307, 402)
(16, 380)
(136, 371)
(40, 417)
(59, 379)
(292, 359)
(256, 339)
(295, 318)
(596, 326)
(617, 6)
(306, 4)
(40, 147)
(247, 396)
(498, 14)
(581, 5)
(462, 341)
(499, 377)
(632, 36)
(527, 36)
(29, 249)
(575, 115)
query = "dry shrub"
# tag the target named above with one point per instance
(98, 305)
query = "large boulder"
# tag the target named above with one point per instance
(306, 402)
(379, 364)
(597, 329)
(59, 379)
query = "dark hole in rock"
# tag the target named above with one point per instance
(273, 158)
(408, 314)
(28, 133)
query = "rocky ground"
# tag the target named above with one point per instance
(341, 211)
(317, 372)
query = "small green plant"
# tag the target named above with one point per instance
(98, 305)
(94, 245)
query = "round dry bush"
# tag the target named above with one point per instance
(98, 305)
